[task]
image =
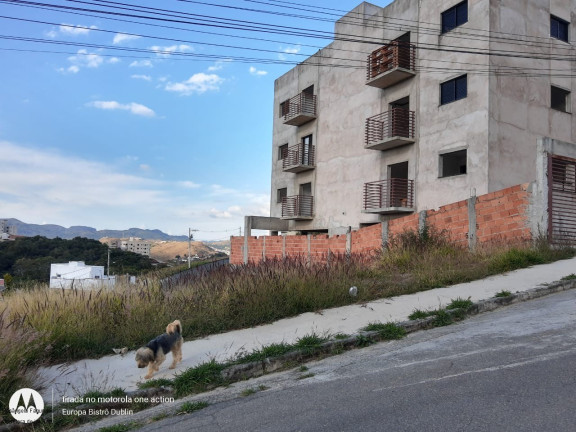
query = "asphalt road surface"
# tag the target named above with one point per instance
(509, 370)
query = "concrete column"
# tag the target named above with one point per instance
(422, 220)
(472, 237)
(309, 249)
(263, 248)
(284, 246)
(247, 234)
(349, 241)
(384, 226)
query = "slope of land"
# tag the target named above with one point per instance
(167, 250)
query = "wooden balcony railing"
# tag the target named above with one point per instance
(383, 195)
(391, 63)
(299, 157)
(299, 109)
(398, 122)
(298, 207)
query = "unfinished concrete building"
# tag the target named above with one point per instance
(420, 104)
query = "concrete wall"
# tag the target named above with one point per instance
(503, 216)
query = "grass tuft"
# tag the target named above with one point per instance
(190, 407)
(460, 303)
(388, 331)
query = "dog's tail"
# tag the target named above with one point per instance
(174, 327)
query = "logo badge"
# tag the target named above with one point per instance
(26, 405)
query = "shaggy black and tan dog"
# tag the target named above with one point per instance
(154, 353)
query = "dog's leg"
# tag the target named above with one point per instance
(177, 353)
(151, 370)
(155, 365)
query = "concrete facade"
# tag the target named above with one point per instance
(510, 63)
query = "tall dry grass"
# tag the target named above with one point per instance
(44, 325)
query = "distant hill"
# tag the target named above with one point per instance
(53, 231)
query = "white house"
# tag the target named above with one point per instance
(76, 274)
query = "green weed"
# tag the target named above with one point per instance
(460, 303)
(388, 331)
(190, 407)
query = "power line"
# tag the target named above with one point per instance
(318, 58)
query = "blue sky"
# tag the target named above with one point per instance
(134, 122)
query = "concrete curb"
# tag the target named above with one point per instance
(246, 371)
(258, 368)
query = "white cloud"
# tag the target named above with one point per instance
(45, 186)
(198, 83)
(134, 108)
(85, 59)
(164, 51)
(219, 65)
(141, 63)
(256, 72)
(189, 185)
(142, 77)
(70, 30)
(123, 37)
(289, 51)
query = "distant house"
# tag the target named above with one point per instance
(132, 244)
(7, 232)
(76, 274)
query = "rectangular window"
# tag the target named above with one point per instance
(282, 151)
(281, 194)
(453, 164)
(284, 108)
(453, 90)
(559, 99)
(559, 28)
(455, 16)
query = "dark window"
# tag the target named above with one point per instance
(559, 99)
(455, 16)
(282, 151)
(559, 28)
(281, 194)
(452, 164)
(284, 108)
(453, 90)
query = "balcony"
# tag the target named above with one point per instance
(299, 110)
(391, 196)
(391, 64)
(298, 158)
(298, 207)
(390, 129)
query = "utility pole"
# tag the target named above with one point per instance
(108, 262)
(190, 237)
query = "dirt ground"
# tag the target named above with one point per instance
(166, 250)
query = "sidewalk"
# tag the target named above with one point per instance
(115, 371)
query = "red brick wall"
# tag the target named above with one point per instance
(453, 218)
(503, 215)
(500, 216)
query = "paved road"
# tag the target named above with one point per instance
(510, 370)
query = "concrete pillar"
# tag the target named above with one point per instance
(247, 234)
(472, 237)
(349, 241)
(384, 226)
(422, 220)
